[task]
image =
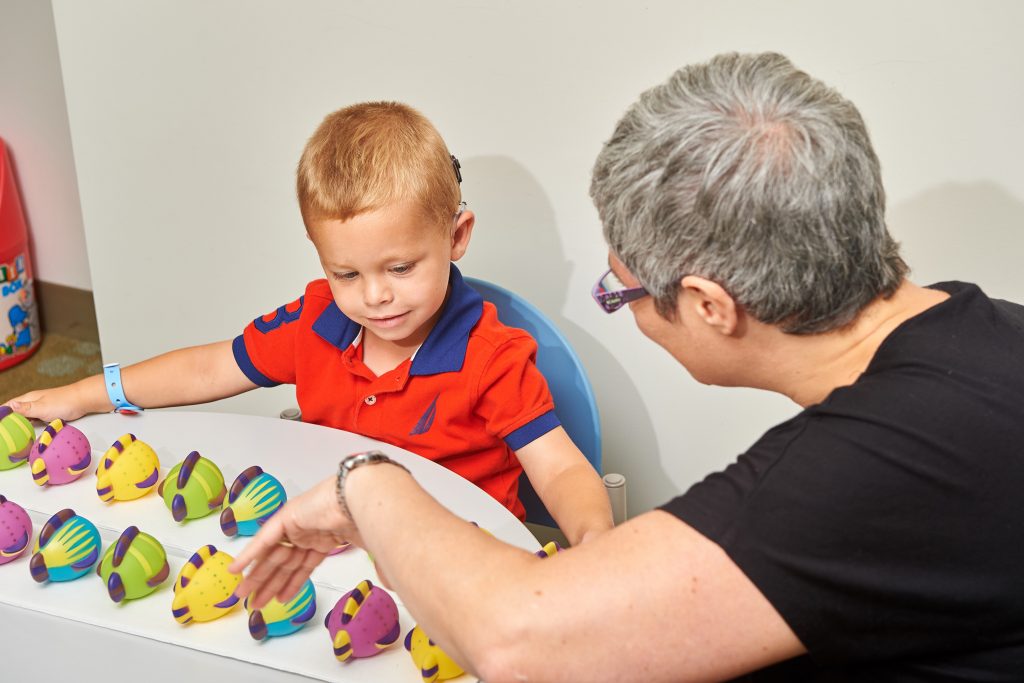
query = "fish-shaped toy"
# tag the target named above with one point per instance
(15, 530)
(128, 470)
(133, 567)
(204, 589)
(283, 618)
(60, 455)
(67, 548)
(253, 498)
(363, 622)
(16, 437)
(433, 663)
(193, 488)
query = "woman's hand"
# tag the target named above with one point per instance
(292, 543)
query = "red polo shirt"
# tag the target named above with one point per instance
(469, 397)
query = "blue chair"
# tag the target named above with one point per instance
(575, 404)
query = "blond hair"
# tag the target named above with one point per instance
(370, 155)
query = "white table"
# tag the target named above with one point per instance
(49, 631)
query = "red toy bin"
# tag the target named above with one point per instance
(19, 320)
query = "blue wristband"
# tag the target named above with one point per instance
(115, 392)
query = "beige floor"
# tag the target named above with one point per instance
(59, 360)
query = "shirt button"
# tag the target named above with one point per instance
(370, 400)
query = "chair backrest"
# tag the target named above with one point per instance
(575, 404)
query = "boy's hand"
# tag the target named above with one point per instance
(50, 404)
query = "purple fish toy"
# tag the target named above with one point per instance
(60, 455)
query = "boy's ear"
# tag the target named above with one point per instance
(461, 233)
(711, 304)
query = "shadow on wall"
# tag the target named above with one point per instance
(970, 232)
(516, 244)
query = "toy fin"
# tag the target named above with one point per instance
(342, 645)
(54, 523)
(39, 473)
(218, 500)
(228, 602)
(88, 560)
(37, 566)
(257, 626)
(49, 434)
(123, 542)
(160, 576)
(180, 609)
(429, 668)
(227, 522)
(81, 466)
(187, 466)
(15, 548)
(355, 601)
(242, 480)
(389, 639)
(115, 587)
(179, 510)
(306, 614)
(150, 480)
(104, 489)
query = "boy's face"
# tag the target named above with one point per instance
(388, 269)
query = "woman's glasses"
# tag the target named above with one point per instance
(611, 295)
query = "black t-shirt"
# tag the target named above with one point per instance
(886, 524)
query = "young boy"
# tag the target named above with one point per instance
(393, 344)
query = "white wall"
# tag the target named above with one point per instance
(34, 124)
(188, 117)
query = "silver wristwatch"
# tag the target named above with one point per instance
(349, 463)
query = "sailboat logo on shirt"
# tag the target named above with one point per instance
(426, 419)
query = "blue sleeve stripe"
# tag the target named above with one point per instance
(246, 366)
(532, 430)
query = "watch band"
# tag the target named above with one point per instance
(351, 462)
(115, 392)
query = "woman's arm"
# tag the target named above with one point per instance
(650, 600)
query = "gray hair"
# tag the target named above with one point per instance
(750, 173)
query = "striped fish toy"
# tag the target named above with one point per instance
(282, 619)
(253, 498)
(193, 488)
(15, 530)
(134, 566)
(363, 622)
(433, 663)
(60, 455)
(204, 589)
(67, 547)
(16, 437)
(128, 470)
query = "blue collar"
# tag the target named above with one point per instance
(444, 349)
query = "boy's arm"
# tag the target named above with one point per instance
(567, 485)
(197, 374)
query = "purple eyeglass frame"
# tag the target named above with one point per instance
(612, 300)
